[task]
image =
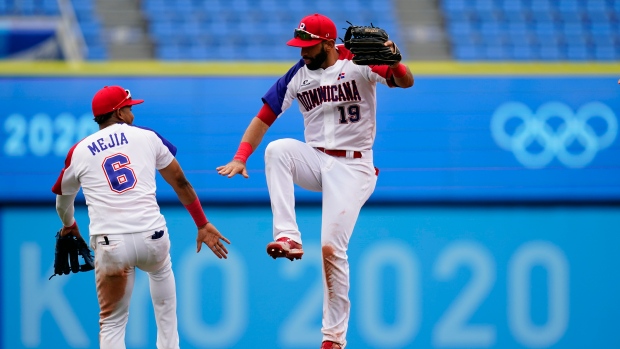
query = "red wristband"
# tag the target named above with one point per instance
(244, 152)
(195, 210)
(72, 225)
(399, 71)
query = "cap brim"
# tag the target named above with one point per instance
(297, 42)
(131, 102)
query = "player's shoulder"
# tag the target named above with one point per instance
(155, 136)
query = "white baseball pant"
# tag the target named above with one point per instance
(115, 263)
(346, 185)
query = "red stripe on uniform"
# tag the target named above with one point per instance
(267, 115)
(57, 188)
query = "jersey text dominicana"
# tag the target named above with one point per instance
(338, 103)
(116, 168)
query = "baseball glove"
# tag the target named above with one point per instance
(367, 45)
(68, 248)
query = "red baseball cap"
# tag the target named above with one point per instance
(312, 30)
(110, 98)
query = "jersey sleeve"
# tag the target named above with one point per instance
(67, 182)
(382, 74)
(165, 151)
(279, 97)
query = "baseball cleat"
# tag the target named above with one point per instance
(285, 247)
(330, 345)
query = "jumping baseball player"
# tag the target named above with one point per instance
(116, 169)
(337, 99)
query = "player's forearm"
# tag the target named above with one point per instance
(402, 75)
(173, 175)
(185, 192)
(66, 209)
(251, 139)
(255, 132)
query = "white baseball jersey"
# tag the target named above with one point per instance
(116, 167)
(338, 104)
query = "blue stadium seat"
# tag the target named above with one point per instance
(595, 5)
(542, 6)
(601, 28)
(496, 52)
(549, 39)
(568, 5)
(578, 40)
(461, 28)
(543, 16)
(92, 32)
(509, 6)
(523, 53)
(465, 40)
(241, 5)
(256, 51)
(492, 27)
(522, 40)
(381, 7)
(573, 28)
(577, 52)
(603, 40)
(485, 10)
(545, 28)
(468, 53)
(168, 52)
(97, 52)
(454, 5)
(550, 53)
(570, 17)
(517, 28)
(605, 53)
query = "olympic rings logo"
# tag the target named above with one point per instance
(574, 142)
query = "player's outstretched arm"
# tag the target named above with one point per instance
(402, 75)
(249, 142)
(207, 232)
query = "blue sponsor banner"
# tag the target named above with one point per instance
(479, 277)
(446, 139)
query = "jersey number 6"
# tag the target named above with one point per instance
(120, 176)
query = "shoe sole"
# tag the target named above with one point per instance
(275, 251)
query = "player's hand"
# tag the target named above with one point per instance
(212, 238)
(72, 230)
(391, 45)
(232, 168)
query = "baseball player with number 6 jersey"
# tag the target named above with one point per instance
(337, 99)
(116, 167)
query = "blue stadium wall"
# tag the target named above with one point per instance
(495, 222)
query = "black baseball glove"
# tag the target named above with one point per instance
(367, 45)
(68, 248)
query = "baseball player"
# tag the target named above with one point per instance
(338, 102)
(115, 167)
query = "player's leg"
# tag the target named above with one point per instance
(114, 276)
(289, 162)
(346, 187)
(154, 258)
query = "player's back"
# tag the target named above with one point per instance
(116, 169)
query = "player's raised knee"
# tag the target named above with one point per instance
(279, 147)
